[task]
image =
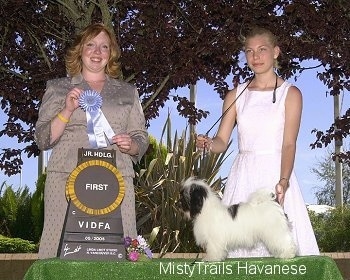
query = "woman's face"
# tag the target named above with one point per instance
(96, 53)
(260, 53)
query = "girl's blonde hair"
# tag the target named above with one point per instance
(254, 31)
(73, 59)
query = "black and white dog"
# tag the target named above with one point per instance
(219, 229)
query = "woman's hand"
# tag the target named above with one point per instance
(124, 142)
(72, 99)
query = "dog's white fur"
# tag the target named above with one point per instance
(260, 219)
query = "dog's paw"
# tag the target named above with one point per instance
(286, 255)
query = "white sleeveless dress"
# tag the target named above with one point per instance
(260, 125)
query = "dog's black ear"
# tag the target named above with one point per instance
(183, 202)
(198, 194)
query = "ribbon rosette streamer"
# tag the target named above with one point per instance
(97, 125)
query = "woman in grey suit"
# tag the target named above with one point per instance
(92, 66)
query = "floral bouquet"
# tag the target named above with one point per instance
(137, 249)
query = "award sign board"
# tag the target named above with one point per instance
(93, 228)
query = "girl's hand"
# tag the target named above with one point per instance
(280, 192)
(203, 142)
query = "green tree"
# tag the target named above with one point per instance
(15, 213)
(332, 229)
(154, 150)
(325, 172)
(37, 208)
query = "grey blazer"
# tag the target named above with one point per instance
(121, 107)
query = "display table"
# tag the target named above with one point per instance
(313, 267)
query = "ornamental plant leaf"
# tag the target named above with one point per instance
(157, 191)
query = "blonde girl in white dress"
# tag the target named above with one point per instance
(267, 114)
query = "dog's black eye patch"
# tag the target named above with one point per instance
(198, 194)
(233, 209)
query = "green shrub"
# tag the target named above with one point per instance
(16, 245)
(332, 229)
(157, 189)
(37, 208)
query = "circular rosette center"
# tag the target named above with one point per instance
(90, 101)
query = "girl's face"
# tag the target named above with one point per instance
(260, 53)
(96, 53)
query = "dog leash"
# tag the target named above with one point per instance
(226, 111)
(195, 260)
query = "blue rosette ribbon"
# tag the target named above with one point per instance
(98, 128)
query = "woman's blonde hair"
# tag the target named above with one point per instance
(256, 30)
(73, 59)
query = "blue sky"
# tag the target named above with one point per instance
(318, 113)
